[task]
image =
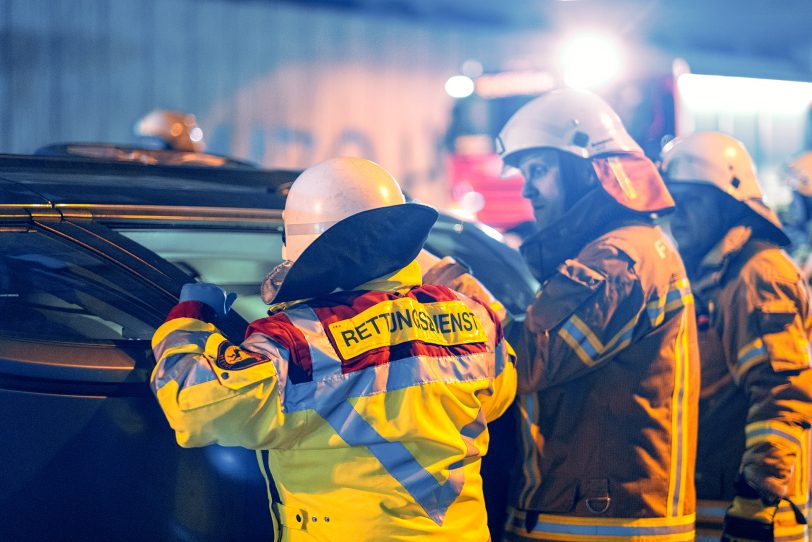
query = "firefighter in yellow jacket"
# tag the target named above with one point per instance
(753, 314)
(365, 392)
(608, 374)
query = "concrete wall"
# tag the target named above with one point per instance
(272, 83)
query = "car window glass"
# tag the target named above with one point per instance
(239, 259)
(54, 290)
(236, 260)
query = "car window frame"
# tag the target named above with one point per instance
(42, 363)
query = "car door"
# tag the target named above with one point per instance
(87, 452)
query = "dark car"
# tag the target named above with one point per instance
(92, 257)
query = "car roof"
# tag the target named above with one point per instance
(146, 155)
(128, 194)
(74, 180)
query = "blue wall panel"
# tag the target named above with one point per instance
(270, 82)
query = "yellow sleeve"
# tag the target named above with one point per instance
(767, 332)
(213, 391)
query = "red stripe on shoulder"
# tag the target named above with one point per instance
(343, 305)
(279, 328)
(192, 309)
(429, 293)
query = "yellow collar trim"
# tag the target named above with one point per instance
(407, 277)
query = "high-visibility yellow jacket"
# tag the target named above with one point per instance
(608, 376)
(756, 401)
(368, 408)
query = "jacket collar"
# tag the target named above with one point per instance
(716, 262)
(593, 215)
(404, 278)
(408, 277)
(358, 249)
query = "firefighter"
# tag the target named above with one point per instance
(607, 369)
(171, 130)
(753, 314)
(365, 393)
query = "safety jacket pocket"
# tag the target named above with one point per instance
(786, 344)
(234, 370)
(571, 286)
(237, 380)
(227, 385)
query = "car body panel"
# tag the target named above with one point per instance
(88, 452)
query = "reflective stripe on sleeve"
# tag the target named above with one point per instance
(180, 333)
(679, 295)
(594, 529)
(679, 421)
(801, 474)
(711, 511)
(504, 354)
(749, 355)
(586, 344)
(774, 431)
(785, 436)
(531, 475)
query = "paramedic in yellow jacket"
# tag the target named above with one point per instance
(365, 392)
(608, 371)
(753, 312)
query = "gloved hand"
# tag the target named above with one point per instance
(749, 520)
(274, 280)
(210, 294)
(751, 516)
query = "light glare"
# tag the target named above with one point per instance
(459, 86)
(196, 134)
(590, 60)
(743, 94)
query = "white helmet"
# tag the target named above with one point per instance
(800, 174)
(329, 192)
(711, 158)
(573, 121)
(719, 160)
(177, 130)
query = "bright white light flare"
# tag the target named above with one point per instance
(459, 86)
(590, 60)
